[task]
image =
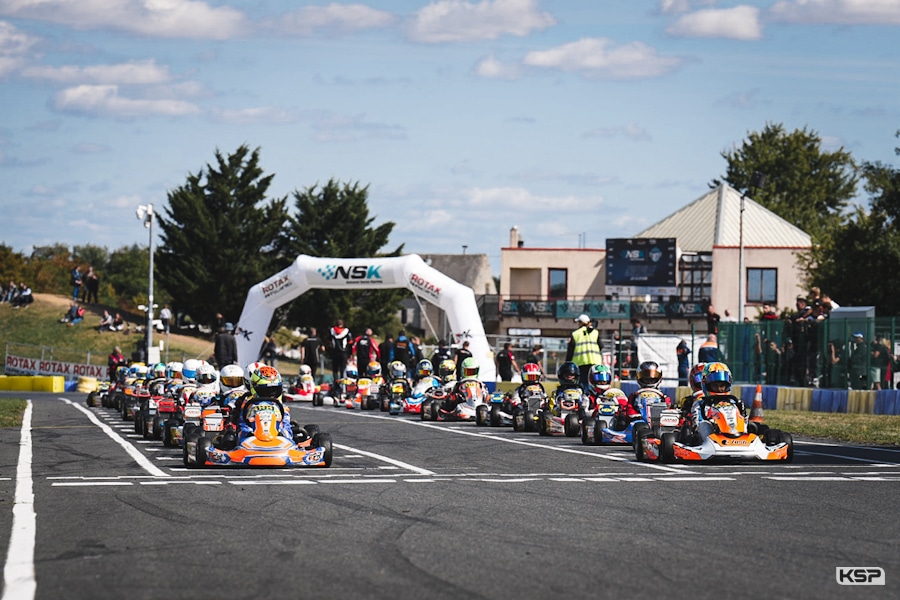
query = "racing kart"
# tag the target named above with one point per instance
(619, 429)
(302, 390)
(498, 411)
(562, 413)
(363, 394)
(97, 397)
(731, 438)
(413, 401)
(525, 415)
(459, 405)
(264, 447)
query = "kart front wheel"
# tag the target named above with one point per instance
(323, 440)
(571, 425)
(481, 415)
(495, 419)
(529, 421)
(667, 448)
(544, 420)
(200, 454)
(638, 434)
(587, 431)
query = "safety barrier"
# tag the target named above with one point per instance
(30, 383)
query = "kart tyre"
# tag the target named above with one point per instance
(203, 446)
(759, 429)
(384, 404)
(138, 423)
(124, 412)
(495, 419)
(571, 426)
(789, 440)
(544, 420)
(598, 432)
(191, 439)
(371, 403)
(518, 420)
(435, 410)
(772, 437)
(311, 429)
(529, 421)
(167, 438)
(667, 448)
(425, 413)
(146, 429)
(640, 431)
(481, 415)
(91, 399)
(324, 440)
(587, 431)
(363, 403)
(157, 429)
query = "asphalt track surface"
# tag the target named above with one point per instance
(438, 510)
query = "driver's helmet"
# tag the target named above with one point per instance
(265, 382)
(230, 377)
(351, 373)
(568, 372)
(159, 370)
(138, 370)
(173, 370)
(189, 370)
(447, 369)
(398, 369)
(373, 369)
(424, 368)
(649, 374)
(716, 380)
(469, 368)
(305, 370)
(695, 377)
(248, 372)
(206, 374)
(614, 395)
(600, 378)
(121, 373)
(531, 373)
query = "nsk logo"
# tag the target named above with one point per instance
(357, 273)
(276, 285)
(424, 285)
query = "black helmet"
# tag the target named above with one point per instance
(568, 372)
(649, 374)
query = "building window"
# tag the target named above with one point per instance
(558, 284)
(762, 286)
(695, 276)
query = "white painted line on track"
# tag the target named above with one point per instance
(358, 481)
(131, 450)
(388, 460)
(842, 456)
(18, 574)
(90, 483)
(274, 482)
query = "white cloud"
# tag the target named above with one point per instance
(14, 45)
(600, 57)
(492, 68)
(839, 12)
(738, 23)
(105, 100)
(260, 114)
(330, 128)
(459, 21)
(333, 17)
(159, 18)
(632, 131)
(521, 201)
(681, 6)
(133, 73)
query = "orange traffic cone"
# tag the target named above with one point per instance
(756, 413)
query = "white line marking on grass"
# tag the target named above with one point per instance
(388, 460)
(18, 573)
(139, 458)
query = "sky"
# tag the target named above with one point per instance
(574, 120)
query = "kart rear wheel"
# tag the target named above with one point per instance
(91, 398)
(598, 432)
(312, 429)
(495, 419)
(186, 457)
(667, 448)
(518, 420)
(759, 429)
(789, 440)
(167, 438)
(138, 427)
(571, 425)
(324, 440)
(544, 420)
(529, 421)
(587, 431)
(203, 446)
(638, 433)
(145, 429)
(158, 424)
(434, 409)
(481, 415)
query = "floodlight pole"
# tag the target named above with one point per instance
(757, 181)
(146, 214)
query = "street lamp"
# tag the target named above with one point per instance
(145, 213)
(757, 181)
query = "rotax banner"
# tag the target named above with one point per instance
(21, 365)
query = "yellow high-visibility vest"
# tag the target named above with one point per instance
(587, 347)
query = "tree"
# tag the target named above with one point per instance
(870, 239)
(128, 270)
(12, 265)
(333, 221)
(218, 234)
(90, 255)
(805, 185)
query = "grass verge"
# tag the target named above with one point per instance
(11, 411)
(855, 428)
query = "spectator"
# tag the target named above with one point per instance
(637, 328)
(165, 317)
(79, 316)
(386, 353)
(118, 323)
(827, 298)
(106, 322)
(403, 351)
(878, 369)
(91, 286)
(683, 352)
(269, 350)
(76, 282)
(585, 348)
(415, 346)
(768, 313)
(71, 313)
(773, 363)
(366, 350)
(24, 297)
(536, 356)
(858, 358)
(506, 363)
(709, 350)
(340, 349)
(116, 359)
(462, 354)
(225, 347)
(219, 322)
(728, 317)
(712, 321)
(311, 349)
(441, 353)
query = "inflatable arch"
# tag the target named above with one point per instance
(410, 271)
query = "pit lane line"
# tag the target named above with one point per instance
(18, 573)
(680, 471)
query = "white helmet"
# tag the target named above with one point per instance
(230, 377)
(305, 370)
(189, 370)
(173, 370)
(206, 374)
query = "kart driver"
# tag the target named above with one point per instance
(265, 383)
(715, 385)
(649, 377)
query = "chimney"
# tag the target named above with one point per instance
(515, 240)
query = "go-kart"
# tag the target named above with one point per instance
(731, 437)
(525, 415)
(412, 402)
(264, 447)
(187, 416)
(562, 414)
(498, 411)
(603, 415)
(620, 429)
(363, 394)
(97, 397)
(302, 390)
(461, 404)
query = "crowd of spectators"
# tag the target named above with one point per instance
(17, 296)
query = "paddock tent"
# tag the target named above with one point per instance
(410, 271)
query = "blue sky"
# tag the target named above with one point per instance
(571, 119)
